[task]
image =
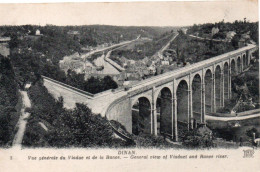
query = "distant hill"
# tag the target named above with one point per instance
(239, 27)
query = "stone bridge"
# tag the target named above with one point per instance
(164, 103)
(174, 101)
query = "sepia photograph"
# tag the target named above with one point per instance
(126, 82)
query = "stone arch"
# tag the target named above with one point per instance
(239, 67)
(196, 97)
(226, 80)
(182, 105)
(218, 86)
(141, 116)
(145, 94)
(164, 111)
(209, 69)
(185, 78)
(159, 89)
(208, 91)
(197, 74)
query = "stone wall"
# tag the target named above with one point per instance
(70, 95)
(120, 111)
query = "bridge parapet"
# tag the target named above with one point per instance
(89, 95)
(150, 88)
(166, 77)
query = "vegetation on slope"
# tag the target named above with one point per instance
(65, 128)
(8, 100)
(193, 50)
(240, 27)
(245, 89)
(140, 51)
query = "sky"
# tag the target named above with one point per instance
(129, 13)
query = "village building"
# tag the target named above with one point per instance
(165, 62)
(241, 42)
(38, 33)
(73, 32)
(230, 35)
(214, 31)
(184, 30)
(4, 46)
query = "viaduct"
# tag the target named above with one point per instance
(169, 102)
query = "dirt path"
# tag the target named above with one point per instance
(17, 142)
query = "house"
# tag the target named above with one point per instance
(230, 35)
(214, 31)
(160, 56)
(246, 36)
(130, 62)
(133, 76)
(152, 69)
(145, 60)
(241, 42)
(4, 46)
(73, 32)
(165, 62)
(38, 32)
(146, 72)
(184, 30)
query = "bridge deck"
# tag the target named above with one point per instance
(188, 69)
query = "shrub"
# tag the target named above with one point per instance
(9, 113)
(250, 132)
(147, 140)
(198, 138)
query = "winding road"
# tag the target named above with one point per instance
(21, 125)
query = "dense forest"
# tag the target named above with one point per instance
(9, 97)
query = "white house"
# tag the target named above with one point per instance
(38, 32)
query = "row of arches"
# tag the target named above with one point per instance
(216, 88)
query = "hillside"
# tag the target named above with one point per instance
(189, 49)
(142, 50)
(9, 96)
(221, 29)
(56, 42)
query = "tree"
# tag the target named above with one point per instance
(14, 42)
(109, 83)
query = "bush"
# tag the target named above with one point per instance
(9, 113)
(250, 132)
(120, 128)
(198, 138)
(148, 141)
